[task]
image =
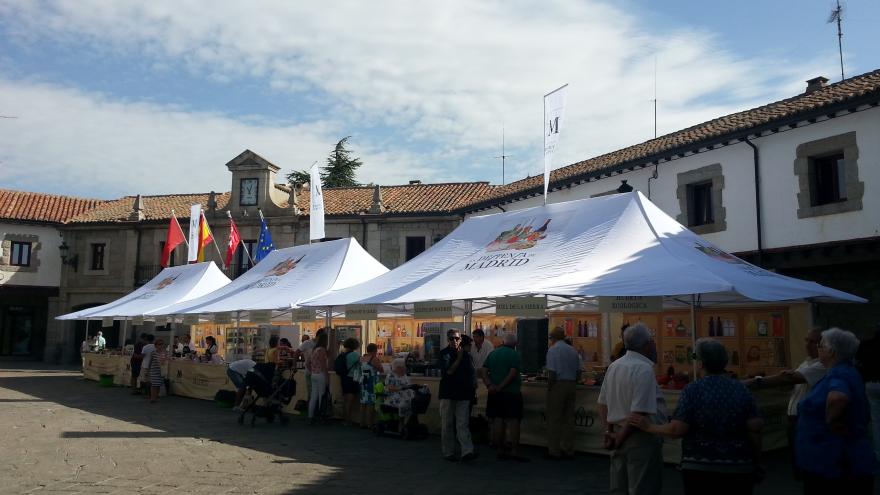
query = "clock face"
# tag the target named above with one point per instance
(248, 193)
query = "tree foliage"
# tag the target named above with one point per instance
(339, 172)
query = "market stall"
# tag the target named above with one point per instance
(620, 252)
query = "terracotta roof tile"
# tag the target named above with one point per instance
(155, 207)
(405, 199)
(39, 207)
(845, 91)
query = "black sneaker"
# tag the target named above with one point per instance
(469, 457)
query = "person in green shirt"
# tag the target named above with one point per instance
(500, 374)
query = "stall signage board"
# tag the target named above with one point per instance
(630, 304)
(432, 309)
(190, 319)
(527, 307)
(361, 312)
(260, 316)
(107, 321)
(303, 314)
(160, 321)
(137, 320)
(223, 318)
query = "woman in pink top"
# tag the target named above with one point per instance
(318, 365)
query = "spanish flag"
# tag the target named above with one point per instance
(205, 237)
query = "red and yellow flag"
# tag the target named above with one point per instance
(205, 237)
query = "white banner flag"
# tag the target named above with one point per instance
(195, 213)
(316, 218)
(554, 113)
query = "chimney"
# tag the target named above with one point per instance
(212, 202)
(415, 182)
(137, 210)
(377, 207)
(292, 202)
(815, 84)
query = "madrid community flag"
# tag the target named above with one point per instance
(174, 238)
(264, 244)
(205, 237)
(554, 113)
(234, 240)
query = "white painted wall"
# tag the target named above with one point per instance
(779, 188)
(48, 272)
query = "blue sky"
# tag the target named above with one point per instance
(116, 98)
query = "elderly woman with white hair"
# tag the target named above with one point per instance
(397, 390)
(833, 449)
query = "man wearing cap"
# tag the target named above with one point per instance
(563, 367)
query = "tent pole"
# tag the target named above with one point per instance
(467, 317)
(693, 334)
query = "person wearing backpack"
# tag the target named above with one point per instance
(346, 366)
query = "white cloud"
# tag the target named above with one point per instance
(71, 142)
(443, 73)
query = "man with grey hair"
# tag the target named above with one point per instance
(630, 387)
(504, 406)
(803, 378)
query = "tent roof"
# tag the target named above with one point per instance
(285, 277)
(172, 285)
(618, 245)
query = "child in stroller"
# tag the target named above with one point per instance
(269, 391)
(398, 404)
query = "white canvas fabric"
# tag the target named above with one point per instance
(172, 285)
(287, 276)
(618, 245)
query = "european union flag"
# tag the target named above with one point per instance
(264, 245)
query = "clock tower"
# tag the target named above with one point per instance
(253, 186)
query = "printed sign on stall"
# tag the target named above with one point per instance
(432, 309)
(630, 304)
(190, 319)
(107, 321)
(527, 307)
(303, 314)
(137, 320)
(160, 321)
(361, 312)
(260, 316)
(223, 318)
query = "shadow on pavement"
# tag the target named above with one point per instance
(363, 463)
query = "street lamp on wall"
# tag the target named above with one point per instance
(67, 258)
(624, 187)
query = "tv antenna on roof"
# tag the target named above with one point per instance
(837, 16)
(503, 156)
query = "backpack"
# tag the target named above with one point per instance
(339, 365)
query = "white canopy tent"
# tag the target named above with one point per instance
(286, 277)
(172, 285)
(617, 245)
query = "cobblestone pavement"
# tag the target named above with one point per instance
(61, 434)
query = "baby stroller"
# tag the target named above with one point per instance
(269, 391)
(388, 417)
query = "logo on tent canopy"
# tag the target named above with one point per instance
(522, 236)
(165, 282)
(276, 272)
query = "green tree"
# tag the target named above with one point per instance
(339, 172)
(341, 167)
(298, 177)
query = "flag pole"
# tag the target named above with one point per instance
(214, 240)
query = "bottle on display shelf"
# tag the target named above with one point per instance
(580, 329)
(712, 327)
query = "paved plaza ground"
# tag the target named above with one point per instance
(61, 434)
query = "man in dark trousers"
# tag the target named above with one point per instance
(456, 392)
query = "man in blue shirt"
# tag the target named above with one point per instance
(563, 366)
